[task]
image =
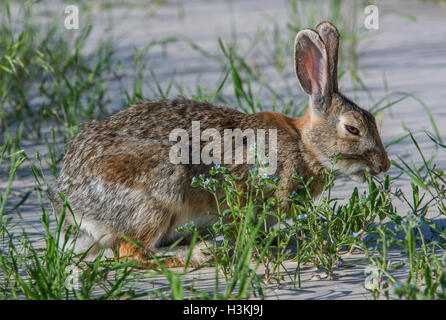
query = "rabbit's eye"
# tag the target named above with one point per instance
(352, 130)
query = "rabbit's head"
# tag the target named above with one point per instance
(334, 124)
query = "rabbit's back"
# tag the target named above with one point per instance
(139, 137)
(131, 148)
(118, 170)
(155, 120)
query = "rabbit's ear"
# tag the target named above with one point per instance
(312, 69)
(330, 35)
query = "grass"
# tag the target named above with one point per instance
(50, 83)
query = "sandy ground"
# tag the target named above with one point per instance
(410, 54)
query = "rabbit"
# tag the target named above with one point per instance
(118, 180)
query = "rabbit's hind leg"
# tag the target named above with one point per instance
(169, 257)
(128, 251)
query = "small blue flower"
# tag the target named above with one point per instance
(207, 181)
(217, 166)
(253, 170)
(293, 193)
(355, 234)
(188, 227)
(193, 179)
(265, 176)
(364, 196)
(201, 176)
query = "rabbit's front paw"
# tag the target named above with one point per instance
(201, 254)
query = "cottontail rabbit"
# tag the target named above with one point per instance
(118, 179)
